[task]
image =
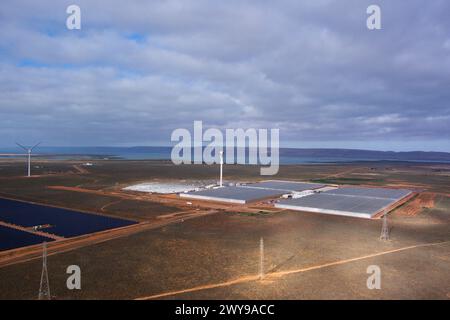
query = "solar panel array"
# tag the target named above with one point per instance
(251, 192)
(287, 186)
(357, 202)
(383, 193)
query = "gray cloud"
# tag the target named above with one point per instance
(136, 71)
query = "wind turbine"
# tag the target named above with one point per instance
(28, 150)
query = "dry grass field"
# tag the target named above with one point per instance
(216, 256)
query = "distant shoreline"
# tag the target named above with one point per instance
(291, 161)
(286, 155)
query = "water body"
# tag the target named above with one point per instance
(287, 155)
(63, 222)
(12, 238)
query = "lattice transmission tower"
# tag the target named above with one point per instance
(261, 258)
(384, 229)
(44, 288)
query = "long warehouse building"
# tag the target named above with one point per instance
(348, 201)
(251, 192)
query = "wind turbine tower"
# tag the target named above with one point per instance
(221, 168)
(29, 151)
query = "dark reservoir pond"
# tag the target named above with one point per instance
(63, 222)
(12, 238)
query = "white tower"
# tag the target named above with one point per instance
(221, 168)
(29, 151)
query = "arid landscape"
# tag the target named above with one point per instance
(183, 249)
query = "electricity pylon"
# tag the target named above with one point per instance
(44, 288)
(385, 229)
(261, 258)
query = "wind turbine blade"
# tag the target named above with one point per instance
(35, 146)
(24, 148)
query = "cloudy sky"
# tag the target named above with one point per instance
(137, 70)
